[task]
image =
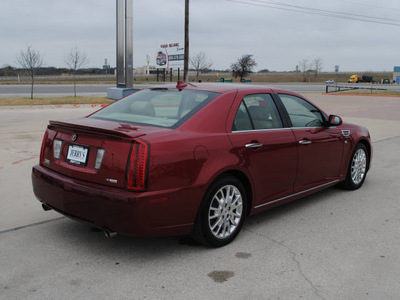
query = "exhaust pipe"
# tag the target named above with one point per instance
(108, 233)
(45, 207)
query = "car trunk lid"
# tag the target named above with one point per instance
(92, 150)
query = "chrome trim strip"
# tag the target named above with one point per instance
(311, 127)
(258, 130)
(282, 128)
(299, 193)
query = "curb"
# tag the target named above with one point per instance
(361, 95)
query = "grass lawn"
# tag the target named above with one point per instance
(54, 101)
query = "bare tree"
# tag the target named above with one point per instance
(244, 66)
(317, 66)
(74, 60)
(200, 63)
(31, 60)
(304, 69)
(310, 70)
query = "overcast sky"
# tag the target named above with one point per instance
(278, 35)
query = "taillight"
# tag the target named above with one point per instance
(41, 160)
(137, 171)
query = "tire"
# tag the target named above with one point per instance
(222, 213)
(358, 167)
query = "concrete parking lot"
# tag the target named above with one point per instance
(332, 245)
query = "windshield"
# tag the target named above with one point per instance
(157, 107)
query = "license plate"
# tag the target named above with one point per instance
(77, 155)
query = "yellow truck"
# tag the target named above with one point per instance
(357, 79)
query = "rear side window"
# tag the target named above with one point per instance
(301, 112)
(157, 107)
(257, 112)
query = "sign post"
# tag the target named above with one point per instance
(336, 71)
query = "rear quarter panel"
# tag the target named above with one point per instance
(193, 154)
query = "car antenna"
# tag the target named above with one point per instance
(180, 85)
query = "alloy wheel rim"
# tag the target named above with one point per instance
(225, 212)
(358, 166)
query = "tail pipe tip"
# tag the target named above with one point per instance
(108, 233)
(45, 207)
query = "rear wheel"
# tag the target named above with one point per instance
(357, 169)
(222, 213)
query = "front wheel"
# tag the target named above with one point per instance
(222, 213)
(357, 169)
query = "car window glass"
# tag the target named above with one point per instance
(242, 120)
(301, 112)
(157, 107)
(260, 110)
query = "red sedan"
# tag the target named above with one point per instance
(195, 159)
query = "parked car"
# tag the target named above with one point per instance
(330, 81)
(195, 159)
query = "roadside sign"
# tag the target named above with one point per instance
(170, 56)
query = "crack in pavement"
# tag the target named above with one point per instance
(386, 139)
(294, 259)
(31, 225)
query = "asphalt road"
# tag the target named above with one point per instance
(101, 90)
(332, 245)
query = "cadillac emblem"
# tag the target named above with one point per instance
(74, 137)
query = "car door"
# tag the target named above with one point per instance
(320, 148)
(264, 147)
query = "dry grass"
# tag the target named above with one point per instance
(266, 77)
(54, 101)
(206, 77)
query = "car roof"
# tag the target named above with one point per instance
(226, 88)
(216, 87)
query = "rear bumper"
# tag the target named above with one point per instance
(161, 213)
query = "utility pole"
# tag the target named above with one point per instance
(186, 61)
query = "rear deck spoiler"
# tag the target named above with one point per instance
(123, 131)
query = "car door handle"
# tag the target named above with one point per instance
(254, 145)
(304, 142)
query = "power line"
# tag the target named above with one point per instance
(323, 11)
(320, 12)
(367, 5)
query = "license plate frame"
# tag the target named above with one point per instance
(77, 155)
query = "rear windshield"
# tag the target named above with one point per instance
(157, 107)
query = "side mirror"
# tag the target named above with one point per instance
(334, 120)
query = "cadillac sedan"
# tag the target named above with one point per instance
(195, 159)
